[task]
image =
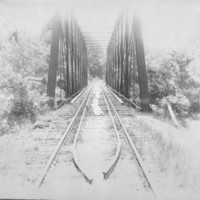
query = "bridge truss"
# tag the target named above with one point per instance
(126, 60)
(125, 66)
(68, 68)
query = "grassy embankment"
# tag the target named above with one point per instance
(175, 152)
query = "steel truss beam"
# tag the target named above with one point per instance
(68, 68)
(126, 60)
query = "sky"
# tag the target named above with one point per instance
(165, 24)
(171, 24)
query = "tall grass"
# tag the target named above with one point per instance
(175, 151)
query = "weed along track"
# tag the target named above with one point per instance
(97, 148)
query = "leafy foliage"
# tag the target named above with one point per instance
(4, 127)
(96, 62)
(170, 80)
(25, 103)
(23, 61)
(25, 55)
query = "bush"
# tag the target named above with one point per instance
(170, 80)
(25, 103)
(4, 127)
(180, 104)
(23, 58)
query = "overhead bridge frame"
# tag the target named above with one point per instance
(125, 67)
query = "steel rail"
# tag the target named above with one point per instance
(135, 151)
(75, 158)
(77, 94)
(114, 161)
(128, 100)
(59, 145)
(118, 99)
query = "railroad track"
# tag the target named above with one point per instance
(86, 128)
(128, 147)
(93, 129)
(62, 141)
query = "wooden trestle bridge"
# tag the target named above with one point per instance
(125, 64)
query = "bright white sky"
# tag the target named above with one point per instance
(166, 24)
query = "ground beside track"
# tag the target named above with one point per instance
(24, 152)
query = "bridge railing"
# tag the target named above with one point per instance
(125, 66)
(68, 68)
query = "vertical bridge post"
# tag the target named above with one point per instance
(125, 51)
(141, 65)
(68, 59)
(53, 65)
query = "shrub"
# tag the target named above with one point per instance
(180, 104)
(4, 127)
(23, 58)
(170, 80)
(25, 103)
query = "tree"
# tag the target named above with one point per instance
(23, 59)
(170, 80)
(96, 59)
